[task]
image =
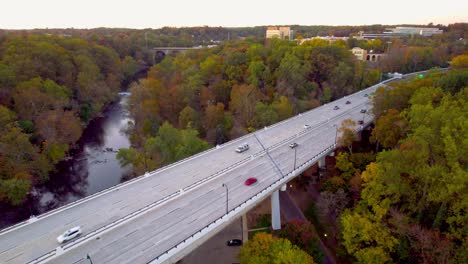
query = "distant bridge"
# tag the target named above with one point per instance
(161, 52)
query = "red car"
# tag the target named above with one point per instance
(250, 181)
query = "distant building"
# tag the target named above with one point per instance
(401, 31)
(279, 32)
(359, 53)
(426, 32)
(363, 55)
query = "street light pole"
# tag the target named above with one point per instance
(227, 198)
(295, 150)
(336, 133)
(88, 257)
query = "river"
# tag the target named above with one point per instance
(92, 168)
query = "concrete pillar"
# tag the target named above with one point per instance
(321, 162)
(275, 211)
(359, 136)
(245, 228)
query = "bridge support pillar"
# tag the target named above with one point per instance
(359, 135)
(321, 162)
(275, 211)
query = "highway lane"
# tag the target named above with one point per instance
(161, 229)
(38, 238)
(158, 229)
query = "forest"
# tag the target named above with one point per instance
(54, 81)
(206, 97)
(398, 196)
(50, 88)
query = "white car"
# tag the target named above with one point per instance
(293, 145)
(242, 148)
(69, 234)
(307, 126)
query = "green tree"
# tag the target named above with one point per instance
(347, 134)
(283, 107)
(263, 248)
(302, 234)
(15, 190)
(265, 115)
(188, 118)
(389, 129)
(243, 100)
(366, 237)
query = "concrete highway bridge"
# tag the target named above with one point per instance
(161, 216)
(161, 52)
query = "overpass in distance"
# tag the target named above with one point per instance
(161, 216)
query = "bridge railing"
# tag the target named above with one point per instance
(252, 200)
(116, 187)
(147, 207)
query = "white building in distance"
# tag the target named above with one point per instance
(426, 32)
(279, 32)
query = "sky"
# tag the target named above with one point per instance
(28, 14)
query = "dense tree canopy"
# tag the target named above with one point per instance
(50, 87)
(263, 248)
(412, 207)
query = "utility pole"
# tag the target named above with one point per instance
(88, 257)
(336, 133)
(227, 198)
(295, 149)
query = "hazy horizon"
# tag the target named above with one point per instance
(141, 14)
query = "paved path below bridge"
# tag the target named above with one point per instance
(291, 211)
(214, 250)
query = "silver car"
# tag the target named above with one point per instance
(69, 234)
(242, 148)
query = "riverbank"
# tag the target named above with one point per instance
(92, 167)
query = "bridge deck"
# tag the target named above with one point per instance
(140, 220)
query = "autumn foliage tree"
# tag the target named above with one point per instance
(264, 248)
(347, 134)
(411, 207)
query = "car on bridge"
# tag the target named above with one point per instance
(336, 107)
(363, 110)
(348, 102)
(293, 145)
(250, 181)
(69, 234)
(242, 148)
(360, 122)
(366, 95)
(307, 126)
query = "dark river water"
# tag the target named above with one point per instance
(93, 167)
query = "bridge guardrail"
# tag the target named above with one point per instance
(199, 232)
(51, 253)
(110, 189)
(101, 229)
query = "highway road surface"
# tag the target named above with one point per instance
(137, 221)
